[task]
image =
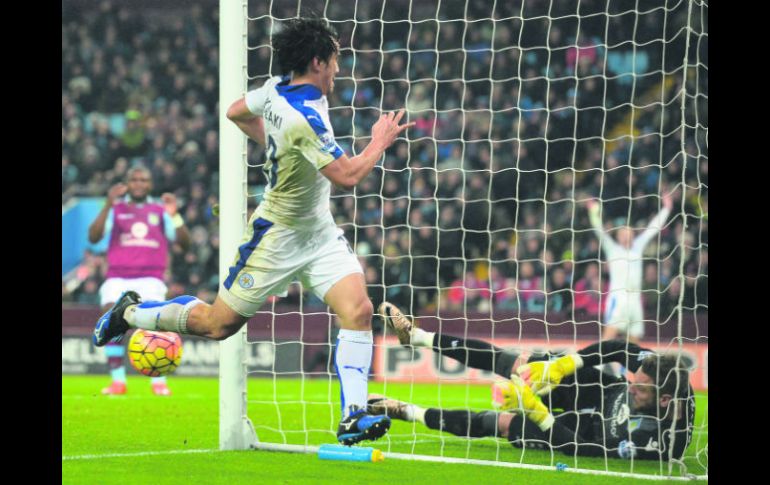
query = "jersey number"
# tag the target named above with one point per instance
(271, 149)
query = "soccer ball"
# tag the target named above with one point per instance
(155, 354)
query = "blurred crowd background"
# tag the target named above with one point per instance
(523, 115)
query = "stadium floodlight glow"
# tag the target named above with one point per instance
(526, 111)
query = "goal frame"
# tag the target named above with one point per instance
(236, 431)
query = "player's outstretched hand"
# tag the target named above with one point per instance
(516, 396)
(387, 128)
(169, 203)
(668, 201)
(117, 190)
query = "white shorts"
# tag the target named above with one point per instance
(150, 289)
(624, 311)
(272, 256)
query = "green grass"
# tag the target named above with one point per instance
(140, 438)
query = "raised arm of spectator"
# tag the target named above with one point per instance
(595, 219)
(656, 224)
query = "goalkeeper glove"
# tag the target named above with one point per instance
(516, 395)
(544, 376)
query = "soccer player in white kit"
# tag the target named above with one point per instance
(623, 313)
(292, 234)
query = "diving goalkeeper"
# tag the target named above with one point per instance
(583, 411)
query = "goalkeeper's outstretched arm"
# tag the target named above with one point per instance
(532, 425)
(543, 376)
(567, 440)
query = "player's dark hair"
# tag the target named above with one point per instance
(301, 40)
(670, 378)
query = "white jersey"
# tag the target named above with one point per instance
(625, 264)
(299, 143)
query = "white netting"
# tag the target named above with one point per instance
(525, 112)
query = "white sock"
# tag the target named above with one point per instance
(169, 316)
(421, 338)
(351, 361)
(415, 413)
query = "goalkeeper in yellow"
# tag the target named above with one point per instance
(562, 403)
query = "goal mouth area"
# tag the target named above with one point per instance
(312, 449)
(526, 115)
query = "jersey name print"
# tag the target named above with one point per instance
(299, 143)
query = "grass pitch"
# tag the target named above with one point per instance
(141, 438)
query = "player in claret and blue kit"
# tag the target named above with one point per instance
(140, 230)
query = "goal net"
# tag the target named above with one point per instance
(477, 222)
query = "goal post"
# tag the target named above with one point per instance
(477, 221)
(235, 429)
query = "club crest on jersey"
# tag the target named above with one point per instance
(626, 449)
(634, 424)
(328, 144)
(139, 230)
(246, 281)
(153, 219)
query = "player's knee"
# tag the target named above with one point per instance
(366, 310)
(222, 332)
(214, 324)
(363, 314)
(503, 424)
(358, 317)
(484, 424)
(223, 329)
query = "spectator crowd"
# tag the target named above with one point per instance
(523, 116)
